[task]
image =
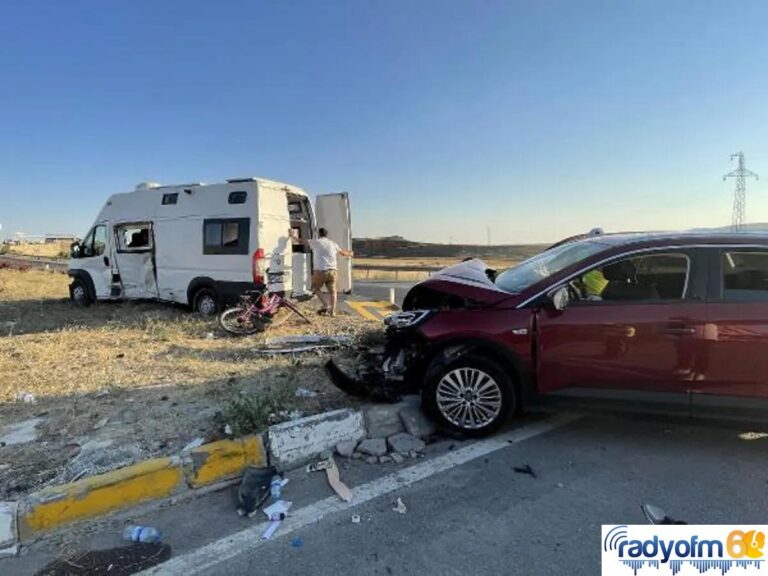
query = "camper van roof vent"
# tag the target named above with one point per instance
(236, 180)
(147, 185)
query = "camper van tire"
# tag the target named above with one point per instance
(206, 302)
(79, 293)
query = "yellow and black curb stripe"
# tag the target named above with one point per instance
(57, 506)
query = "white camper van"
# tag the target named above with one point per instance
(203, 244)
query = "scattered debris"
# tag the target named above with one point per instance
(526, 469)
(297, 542)
(334, 480)
(400, 506)
(405, 443)
(26, 397)
(304, 393)
(318, 466)
(228, 429)
(385, 459)
(121, 561)
(137, 533)
(196, 443)
(20, 432)
(373, 446)
(753, 435)
(372, 460)
(355, 518)
(254, 490)
(397, 458)
(101, 423)
(346, 448)
(560, 485)
(276, 513)
(297, 344)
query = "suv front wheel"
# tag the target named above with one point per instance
(472, 395)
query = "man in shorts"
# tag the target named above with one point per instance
(324, 253)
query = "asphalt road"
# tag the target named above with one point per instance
(478, 517)
(374, 290)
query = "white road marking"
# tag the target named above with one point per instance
(250, 539)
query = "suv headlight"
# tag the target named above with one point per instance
(407, 319)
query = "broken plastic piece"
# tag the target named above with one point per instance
(334, 480)
(374, 385)
(196, 443)
(400, 506)
(525, 469)
(355, 518)
(273, 526)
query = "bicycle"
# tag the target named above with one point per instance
(256, 311)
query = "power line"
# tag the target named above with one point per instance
(740, 195)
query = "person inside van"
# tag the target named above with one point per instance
(324, 253)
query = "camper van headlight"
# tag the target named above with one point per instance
(407, 319)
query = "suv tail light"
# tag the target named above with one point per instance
(258, 266)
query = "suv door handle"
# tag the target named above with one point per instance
(106, 261)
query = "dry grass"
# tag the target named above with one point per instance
(52, 250)
(386, 275)
(158, 374)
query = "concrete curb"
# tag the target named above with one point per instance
(211, 466)
(297, 442)
(151, 480)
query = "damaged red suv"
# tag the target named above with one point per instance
(644, 312)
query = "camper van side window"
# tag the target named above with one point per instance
(134, 237)
(226, 235)
(170, 198)
(237, 197)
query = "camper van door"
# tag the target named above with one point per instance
(332, 213)
(272, 238)
(94, 259)
(135, 259)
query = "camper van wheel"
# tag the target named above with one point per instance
(206, 302)
(79, 293)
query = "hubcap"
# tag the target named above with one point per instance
(78, 293)
(469, 398)
(206, 305)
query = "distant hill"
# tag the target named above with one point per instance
(399, 247)
(752, 227)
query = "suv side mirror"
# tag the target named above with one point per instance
(560, 298)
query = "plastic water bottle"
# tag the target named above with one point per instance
(135, 533)
(275, 486)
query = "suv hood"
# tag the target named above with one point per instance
(467, 284)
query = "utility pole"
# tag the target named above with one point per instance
(740, 195)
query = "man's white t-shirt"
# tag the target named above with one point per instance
(324, 251)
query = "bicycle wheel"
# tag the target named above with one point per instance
(241, 322)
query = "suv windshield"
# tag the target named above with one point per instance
(527, 273)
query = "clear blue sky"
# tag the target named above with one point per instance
(441, 117)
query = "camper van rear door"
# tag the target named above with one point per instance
(332, 213)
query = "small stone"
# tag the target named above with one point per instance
(357, 456)
(560, 485)
(384, 459)
(413, 454)
(405, 443)
(416, 423)
(397, 458)
(346, 448)
(372, 460)
(373, 446)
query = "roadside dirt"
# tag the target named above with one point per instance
(118, 382)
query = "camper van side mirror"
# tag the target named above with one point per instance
(75, 250)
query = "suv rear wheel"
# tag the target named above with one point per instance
(472, 395)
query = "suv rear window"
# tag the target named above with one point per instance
(745, 276)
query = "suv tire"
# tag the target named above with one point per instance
(472, 395)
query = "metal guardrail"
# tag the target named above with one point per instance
(368, 268)
(35, 262)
